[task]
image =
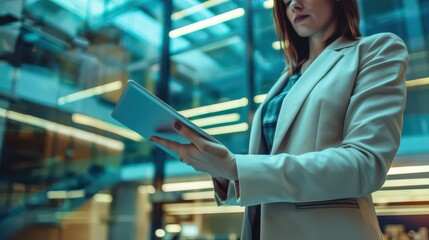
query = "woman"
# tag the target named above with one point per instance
(324, 138)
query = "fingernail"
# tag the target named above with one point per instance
(177, 126)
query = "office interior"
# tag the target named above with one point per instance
(68, 170)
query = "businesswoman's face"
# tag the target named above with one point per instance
(312, 17)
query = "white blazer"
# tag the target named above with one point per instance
(338, 131)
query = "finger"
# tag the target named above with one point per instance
(174, 146)
(185, 131)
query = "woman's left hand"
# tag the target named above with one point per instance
(203, 155)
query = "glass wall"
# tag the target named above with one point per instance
(68, 170)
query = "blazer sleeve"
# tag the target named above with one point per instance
(359, 165)
(226, 192)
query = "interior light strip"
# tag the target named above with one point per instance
(103, 197)
(226, 118)
(173, 228)
(147, 189)
(418, 82)
(233, 14)
(206, 210)
(93, 122)
(210, 208)
(90, 92)
(405, 195)
(402, 210)
(383, 193)
(220, 44)
(200, 208)
(259, 98)
(408, 170)
(62, 129)
(380, 210)
(186, 186)
(381, 198)
(218, 107)
(202, 122)
(235, 128)
(406, 182)
(196, 8)
(198, 195)
(66, 194)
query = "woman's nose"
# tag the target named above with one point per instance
(295, 5)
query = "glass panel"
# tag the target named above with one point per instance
(208, 67)
(63, 68)
(268, 58)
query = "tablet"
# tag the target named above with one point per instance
(149, 116)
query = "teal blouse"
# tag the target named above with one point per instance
(271, 111)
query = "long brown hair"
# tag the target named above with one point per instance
(296, 48)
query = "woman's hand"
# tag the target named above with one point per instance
(203, 155)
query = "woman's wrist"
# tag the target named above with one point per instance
(233, 171)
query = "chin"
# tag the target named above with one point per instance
(304, 32)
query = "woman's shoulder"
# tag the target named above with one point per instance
(380, 39)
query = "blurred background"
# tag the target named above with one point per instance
(70, 171)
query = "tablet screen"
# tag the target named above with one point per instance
(149, 116)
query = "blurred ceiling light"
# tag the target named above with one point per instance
(236, 13)
(418, 82)
(397, 196)
(406, 182)
(173, 228)
(103, 197)
(408, 170)
(66, 194)
(226, 118)
(198, 195)
(268, 4)
(147, 189)
(93, 122)
(402, 210)
(241, 127)
(186, 186)
(196, 8)
(220, 44)
(259, 98)
(206, 210)
(379, 197)
(200, 208)
(218, 107)
(62, 129)
(90, 92)
(276, 45)
(202, 122)
(190, 231)
(160, 233)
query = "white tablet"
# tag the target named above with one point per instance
(149, 116)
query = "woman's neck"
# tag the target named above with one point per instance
(315, 48)
(317, 41)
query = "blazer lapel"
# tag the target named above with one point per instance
(256, 144)
(295, 98)
(299, 92)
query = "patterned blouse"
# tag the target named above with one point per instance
(271, 111)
